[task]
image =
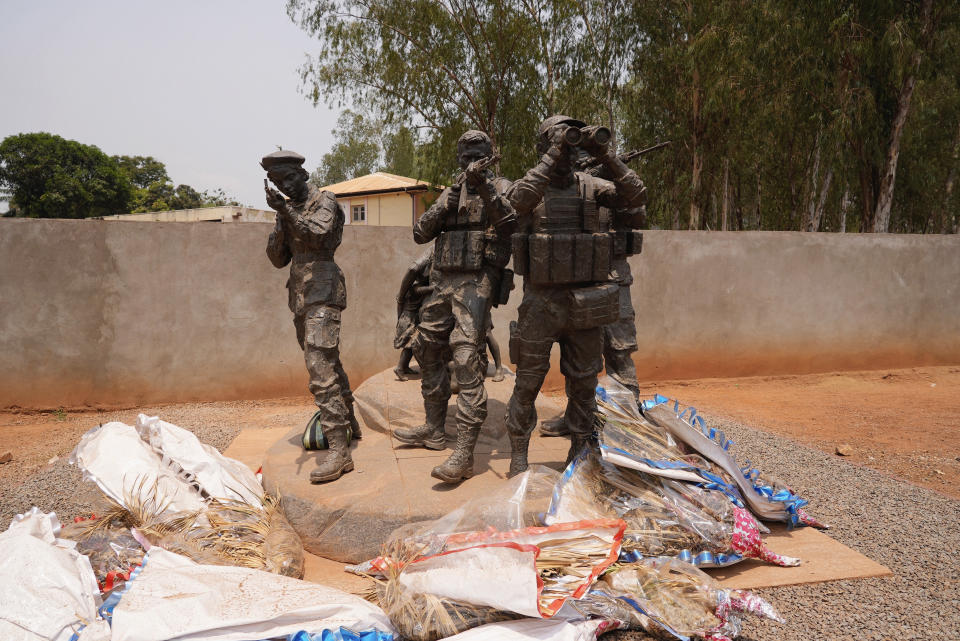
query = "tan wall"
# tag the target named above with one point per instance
(396, 210)
(106, 313)
(225, 214)
(391, 210)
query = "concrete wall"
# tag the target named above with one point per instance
(106, 313)
(225, 214)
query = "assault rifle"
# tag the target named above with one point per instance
(479, 166)
(593, 167)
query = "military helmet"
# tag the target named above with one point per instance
(552, 121)
(474, 137)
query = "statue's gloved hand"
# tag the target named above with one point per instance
(275, 199)
(475, 174)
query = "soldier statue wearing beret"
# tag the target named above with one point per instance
(307, 233)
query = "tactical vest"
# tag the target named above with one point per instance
(467, 238)
(571, 240)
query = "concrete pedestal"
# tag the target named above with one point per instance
(349, 519)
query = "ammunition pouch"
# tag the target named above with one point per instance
(459, 251)
(627, 242)
(556, 259)
(497, 251)
(594, 306)
(504, 287)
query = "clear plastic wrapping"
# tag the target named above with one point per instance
(491, 560)
(670, 598)
(767, 497)
(113, 552)
(676, 502)
(664, 517)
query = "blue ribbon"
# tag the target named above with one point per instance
(705, 558)
(341, 634)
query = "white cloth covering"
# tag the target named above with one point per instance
(175, 598)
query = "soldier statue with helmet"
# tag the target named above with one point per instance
(564, 248)
(619, 337)
(308, 230)
(470, 225)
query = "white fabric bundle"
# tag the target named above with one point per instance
(47, 590)
(163, 465)
(175, 598)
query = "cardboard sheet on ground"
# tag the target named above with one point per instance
(824, 558)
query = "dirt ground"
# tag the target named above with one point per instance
(905, 423)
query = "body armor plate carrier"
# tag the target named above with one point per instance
(571, 243)
(462, 244)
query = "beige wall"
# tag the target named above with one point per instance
(396, 210)
(225, 214)
(106, 313)
(389, 210)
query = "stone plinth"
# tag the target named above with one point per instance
(349, 519)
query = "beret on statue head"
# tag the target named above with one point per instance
(280, 158)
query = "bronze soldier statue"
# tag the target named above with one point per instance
(619, 337)
(308, 231)
(563, 249)
(414, 289)
(470, 224)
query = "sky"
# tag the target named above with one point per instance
(207, 87)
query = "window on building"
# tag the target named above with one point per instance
(359, 213)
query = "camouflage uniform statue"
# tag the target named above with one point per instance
(619, 337)
(307, 233)
(470, 224)
(414, 289)
(563, 248)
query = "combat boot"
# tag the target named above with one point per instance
(337, 462)
(519, 445)
(431, 434)
(555, 427)
(577, 443)
(459, 465)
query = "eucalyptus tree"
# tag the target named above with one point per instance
(442, 66)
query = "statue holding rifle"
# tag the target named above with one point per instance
(307, 233)
(470, 225)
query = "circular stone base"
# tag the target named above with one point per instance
(348, 520)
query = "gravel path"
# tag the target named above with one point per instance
(915, 532)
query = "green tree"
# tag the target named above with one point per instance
(815, 116)
(50, 177)
(143, 171)
(355, 152)
(498, 66)
(400, 153)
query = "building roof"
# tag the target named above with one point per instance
(379, 182)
